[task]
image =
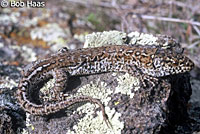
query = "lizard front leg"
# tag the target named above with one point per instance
(146, 80)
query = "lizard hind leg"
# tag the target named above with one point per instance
(61, 78)
(149, 84)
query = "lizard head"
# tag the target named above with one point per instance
(169, 63)
(166, 63)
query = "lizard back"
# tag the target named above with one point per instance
(123, 58)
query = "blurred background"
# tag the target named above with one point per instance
(68, 21)
(32, 30)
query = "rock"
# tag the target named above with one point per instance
(131, 107)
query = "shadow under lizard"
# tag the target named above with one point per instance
(151, 62)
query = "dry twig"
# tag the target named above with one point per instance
(167, 19)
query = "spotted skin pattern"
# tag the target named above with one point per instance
(151, 62)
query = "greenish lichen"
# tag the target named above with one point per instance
(125, 84)
(142, 39)
(161, 41)
(105, 38)
(90, 124)
(96, 90)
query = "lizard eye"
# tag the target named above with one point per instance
(124, 39)
(62, 50)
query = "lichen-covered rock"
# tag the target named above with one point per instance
(137, 111)
(131, 108)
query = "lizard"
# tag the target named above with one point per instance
(152, 62)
